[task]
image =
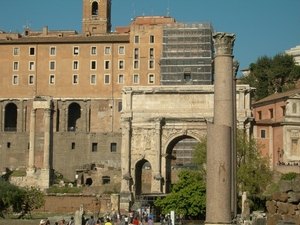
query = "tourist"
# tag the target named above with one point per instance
(135, 221)
(62, 222)
(108, 222)
(42, 222)
(98, 222)
(126, 220)
(47, 222)
(150, 220)
(91, 221)
(71, 222)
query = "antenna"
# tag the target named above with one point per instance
(133, 12)
(168, 8)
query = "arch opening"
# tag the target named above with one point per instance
(143, 174)
(94, 8)
(11, 115)
(74, 113)
(180, 156)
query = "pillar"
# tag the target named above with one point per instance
(47, 121)
(156, 184)
(32, 140)
(126, 194)
(219, 135)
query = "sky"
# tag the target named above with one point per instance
(262, 27)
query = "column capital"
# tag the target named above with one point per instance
(235, 67)
(223, 43)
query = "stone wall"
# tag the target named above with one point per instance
(69, 203)
(285, 204)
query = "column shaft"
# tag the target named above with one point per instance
(125, 155)
(47, 120)
(32, 138)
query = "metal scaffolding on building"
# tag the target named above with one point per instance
(187, 52)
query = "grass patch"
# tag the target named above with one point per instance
(64, 190)
(18, 173)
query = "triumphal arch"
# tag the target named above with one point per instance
(155, 118)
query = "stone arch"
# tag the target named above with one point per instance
(11, 117)
(74, 113)
(95, 9)
(169, 156)
(140, 175)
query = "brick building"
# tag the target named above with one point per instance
(60, 96)
(276, 126)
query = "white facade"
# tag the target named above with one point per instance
(296, 53)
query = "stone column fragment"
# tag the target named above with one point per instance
(47, 121)
(32, 139)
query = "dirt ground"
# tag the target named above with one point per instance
(20, 222)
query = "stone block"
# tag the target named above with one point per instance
(296, 185)
(293, 196)
(292, 209)
(271, 207)
(279, 196)
(282, 208)
(285, 186)
(273, 219)
(281, 222)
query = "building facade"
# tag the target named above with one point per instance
(60, 96)
(276, 127)
(295, 52)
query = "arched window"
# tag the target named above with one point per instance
(74, 114)
(11, 115)
(294, 107)
(95, 8)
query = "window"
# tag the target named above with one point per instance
(93, 65)
(151, 53)
(107, 50)
(94, 147)
(119, 106)
(93, 50)
(121, 50)
(75, 79)
(75, 65)
(135, 78)
(151, 79)
(73, 145)
(76, 50)
(105, 180)
(93, 79)
(271, 114)
(187, 78)
(135, 64)
(151, 64)
(52, 65)
(106, 79)
(136, 53)
(16, 66)
(31, 66)
(8, 144)
(15, 79)
(30, 79)
(136, 39)
(95, 8)
(121, 79)
(106, 65)
(259, 115)
(113, 147)
(151, 39)
(16, 51)
(31, 51)
(121, 64)
(262, 133)
(51, 79)
(52, 51)
(283, 110)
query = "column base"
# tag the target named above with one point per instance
(30, 171)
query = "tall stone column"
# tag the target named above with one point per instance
(219, 135)
(32, 140)
(156, 184)
(47, 121)
(126, 194)
(1, 117)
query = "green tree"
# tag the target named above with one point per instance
(187, 196)
(253, 171)
(11, 198)
(270, 75)
(33, 199)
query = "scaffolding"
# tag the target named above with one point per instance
(187, 52)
